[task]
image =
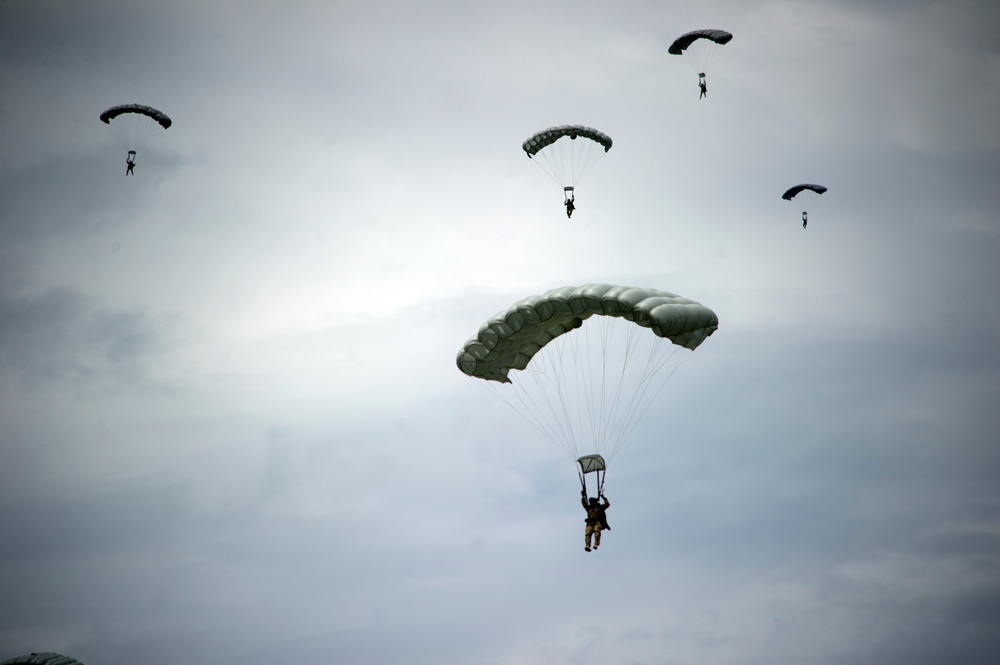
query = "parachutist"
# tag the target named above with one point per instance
(792, 192)
(704, 87)
(570, 205)
(597, 520)
(129, 165)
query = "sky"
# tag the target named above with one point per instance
(232, 428)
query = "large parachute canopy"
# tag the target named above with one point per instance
(567, 152)
(583, 363)
(699, 48)
(134, 124)
(45, 658)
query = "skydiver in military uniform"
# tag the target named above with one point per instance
(129, 165)
(570, 205)
(805, 218)
(597, 520)
(703, 85)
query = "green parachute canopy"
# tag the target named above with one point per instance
(510, 339)
(547, 137)
(46, 658)
(567, 152)
(583, 363)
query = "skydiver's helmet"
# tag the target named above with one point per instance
(593, 500)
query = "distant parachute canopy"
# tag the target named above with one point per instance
(681, 44)
(563, 155)
(46, 658)
(793, 191)
(699, 48)
(547, 137)
(585, 390)
(134, 124)
(159, 116)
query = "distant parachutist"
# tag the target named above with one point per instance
(570, 202)
(130, 163)
(698, 48)
(792, 192)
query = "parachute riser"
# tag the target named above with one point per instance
(600, 482)
(592, 464)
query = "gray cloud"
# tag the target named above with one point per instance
(232, 427)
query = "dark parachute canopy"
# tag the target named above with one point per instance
(699, 49)
(792, 191)
(567, 152)
(46, 658)
(547, 137)
(588, 361)
(159, 116)
(684, 41)
(134, 124)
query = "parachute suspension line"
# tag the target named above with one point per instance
(515, 398)
(701, 55)
(628, 406)
(561, 383)
(674, 353)
(567, 160)
(134, 130)
(546, 374)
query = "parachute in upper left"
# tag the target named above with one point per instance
(135, 124)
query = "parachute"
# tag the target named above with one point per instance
(565, 158)
(46, 658)
(588, 361)
(134, 124)
(699, 48)
(682, 43)
(792, 192)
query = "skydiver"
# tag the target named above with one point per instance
(129, 165)
(570, 205)
(597, 520)
(805, 218)
(703, 85)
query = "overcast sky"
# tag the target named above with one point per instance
(231, 424)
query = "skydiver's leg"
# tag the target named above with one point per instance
(586, 536)
(597, 535)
